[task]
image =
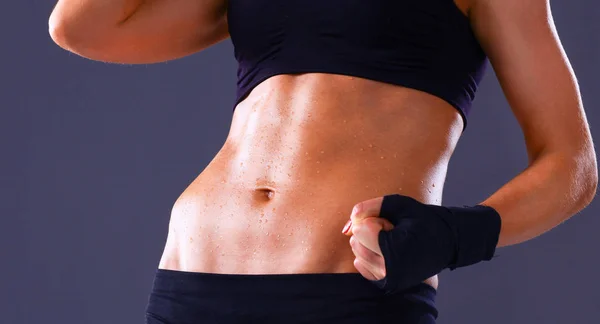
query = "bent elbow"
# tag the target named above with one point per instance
(587, 179)
(592, 187)
(77, 39)
(58, 35)
(64, 34)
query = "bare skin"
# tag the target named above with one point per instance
(303, 150)
(275, 198)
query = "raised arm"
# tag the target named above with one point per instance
(138, 31)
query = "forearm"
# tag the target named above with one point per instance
(552, 189)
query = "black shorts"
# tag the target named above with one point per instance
(204, 298)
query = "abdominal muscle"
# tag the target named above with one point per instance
(301, 152)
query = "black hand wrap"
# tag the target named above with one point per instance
(426, 239)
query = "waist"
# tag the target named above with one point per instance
(233, 228)
(276, 196)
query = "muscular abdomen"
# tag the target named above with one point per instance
(301, 152)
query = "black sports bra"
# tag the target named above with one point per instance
(426, 45)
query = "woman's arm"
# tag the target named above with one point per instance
(520, 38)
(388, 233)
(137, 31)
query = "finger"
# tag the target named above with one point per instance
(360, 251)
(367, 233)
(372, 261)
(358, 264)
(386, 224)
(367, 208)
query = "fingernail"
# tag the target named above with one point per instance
(347, 227)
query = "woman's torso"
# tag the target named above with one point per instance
(301, 152)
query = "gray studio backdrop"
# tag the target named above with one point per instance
(93, 156)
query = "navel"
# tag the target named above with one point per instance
(265, 194)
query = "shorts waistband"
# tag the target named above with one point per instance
(329, 283)
(186, 297)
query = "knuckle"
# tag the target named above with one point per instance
(373, 224)
(358, 229)
(370, 228)
(365, 254)
(358, 208)
(360, 251)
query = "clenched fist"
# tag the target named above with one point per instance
(363, 228)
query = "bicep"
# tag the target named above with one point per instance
(168, 29)
(153, 31)
(521, 41)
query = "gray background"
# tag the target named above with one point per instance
(92, 157)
